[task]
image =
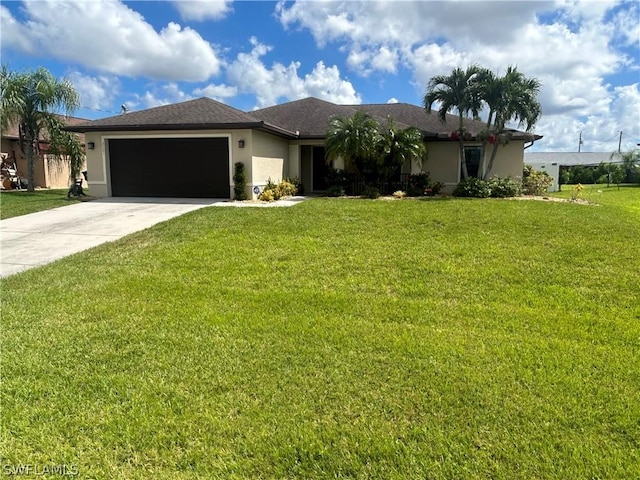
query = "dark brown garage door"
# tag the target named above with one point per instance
(170, 167)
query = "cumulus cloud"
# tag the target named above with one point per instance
(158, 95)
(110, 37)
(95, 92)
(201, 10)
(280, 82)
(571, 46)
(217, 92)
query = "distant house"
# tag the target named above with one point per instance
(49, 172)
(188, 149)
(551, 162)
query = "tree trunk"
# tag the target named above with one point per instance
(463, 158)
(30, 153)
(483, 161)
(491, 160)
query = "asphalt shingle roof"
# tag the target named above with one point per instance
(193, 114)
(12, 130)
(305, 118)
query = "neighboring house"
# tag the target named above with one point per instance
(188, 149)
(551, 162)
(50, 172)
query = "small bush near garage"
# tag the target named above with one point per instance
(275, 191)
(239, 181)
(296, 183)
(535, 182)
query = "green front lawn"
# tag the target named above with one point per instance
(624, 196)
(19, 202)
(444, 339)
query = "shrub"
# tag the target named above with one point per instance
(399, 194)
(370, 192)
(239, 182)
(286, 188)
(505, 187)
(473, 187)
(335, 191)
(417, 183)
(433, 188)
(576, 193)
(267, 196)
(336, 177)
(535, 182)
(273, 191)
(296, 183)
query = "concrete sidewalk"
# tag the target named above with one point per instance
(39, 238)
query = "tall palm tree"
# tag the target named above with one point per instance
(31, 99)
(397, 146)
(355, 140)
(458, 91)
(512, 97)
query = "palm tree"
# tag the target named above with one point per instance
(512, 97)
(355, 140)
(458, 91)
(630, 165)
(397, 146)
(30, 99)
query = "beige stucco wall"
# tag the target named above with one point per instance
(509, 160)
(442, 162)
(270, 160)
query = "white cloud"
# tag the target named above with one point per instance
(217, 92)
(13, 33)
(392, 100)
(110, 37)
(95, 92)
(201, 10)
(571, 46)
(158, 96)
(280, 82)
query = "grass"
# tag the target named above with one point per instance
(338, 338)
(15, 203)
(624, 196)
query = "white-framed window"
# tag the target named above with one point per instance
(473, 155)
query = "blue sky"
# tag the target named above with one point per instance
(256, 54)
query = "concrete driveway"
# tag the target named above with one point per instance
(39, 238)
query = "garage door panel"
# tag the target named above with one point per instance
(170, 167)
